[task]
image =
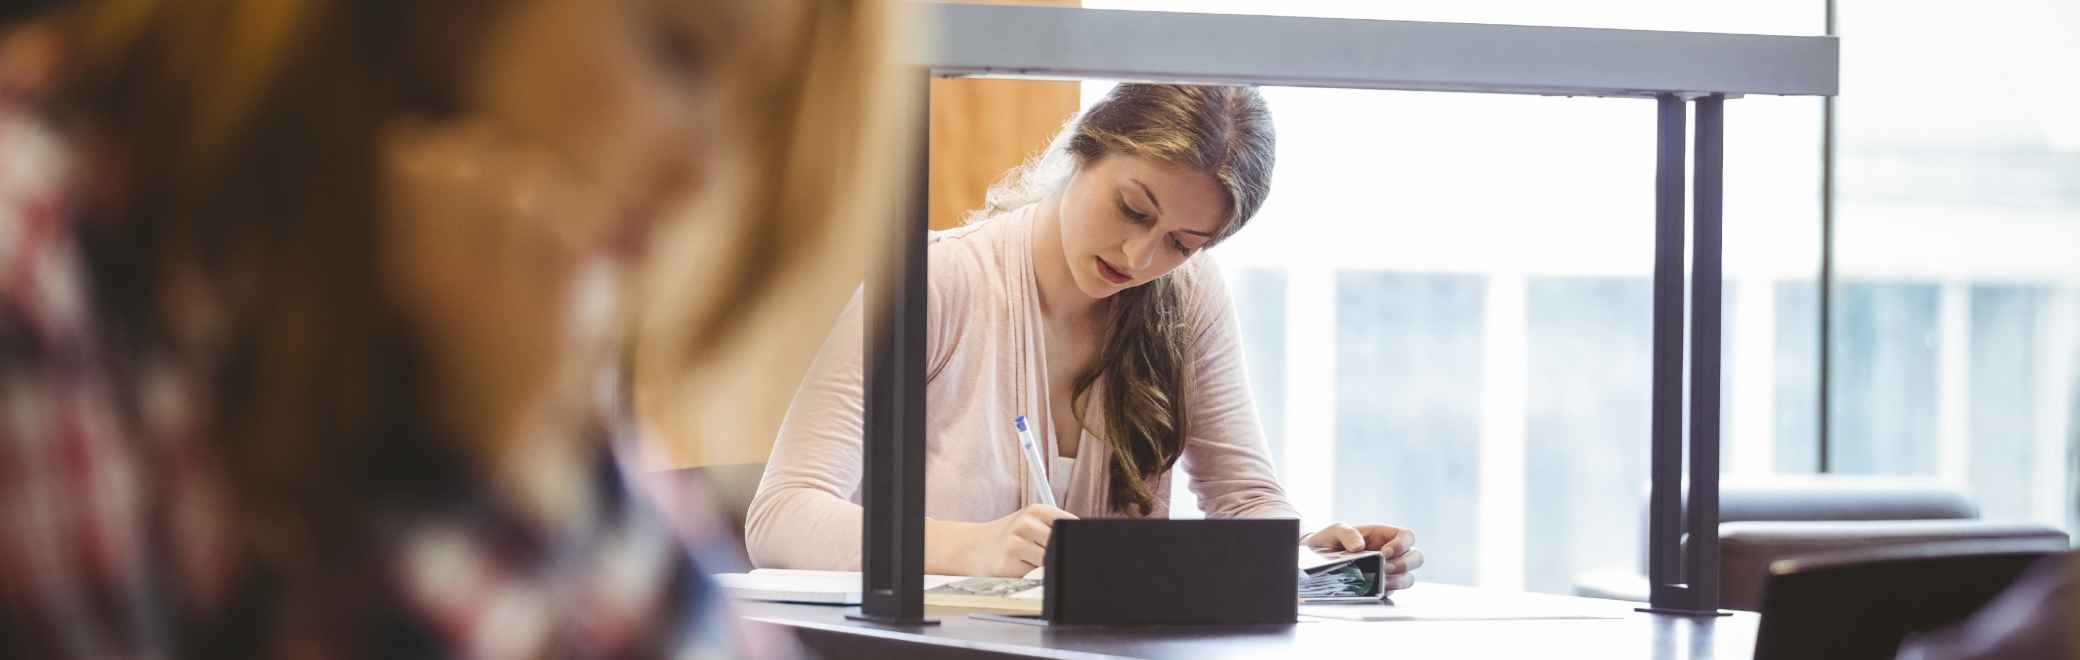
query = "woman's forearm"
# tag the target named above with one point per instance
(800, 528)
(795, 527)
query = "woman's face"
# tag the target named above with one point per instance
(1128, 220)
(624, 89)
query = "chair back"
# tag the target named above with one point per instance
(1861, 604)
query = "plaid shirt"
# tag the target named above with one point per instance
(120, 540)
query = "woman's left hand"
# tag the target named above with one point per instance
(1396, 544)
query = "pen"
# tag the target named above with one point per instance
(1037, 474)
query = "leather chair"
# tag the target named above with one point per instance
(1861, 604)
(1765, 520)
(1748, 549)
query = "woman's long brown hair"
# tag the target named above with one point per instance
(1143, 372)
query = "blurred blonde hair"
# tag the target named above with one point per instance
(717, 354)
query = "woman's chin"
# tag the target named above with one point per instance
(1098, 290)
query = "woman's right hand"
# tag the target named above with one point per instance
(1009, 546)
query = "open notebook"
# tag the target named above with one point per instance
(1324, 578)
(1019, 594)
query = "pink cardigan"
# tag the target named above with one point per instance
(985, 365)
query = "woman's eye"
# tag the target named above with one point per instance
(1180, 245)
(1136, 216)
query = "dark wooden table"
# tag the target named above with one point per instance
(1433, 621)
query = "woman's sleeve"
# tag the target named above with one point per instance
(803, 515)
(1225, 452)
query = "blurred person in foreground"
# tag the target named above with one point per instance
(310, 310)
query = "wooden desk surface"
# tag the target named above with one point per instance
(1445, 622)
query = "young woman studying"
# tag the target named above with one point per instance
(1079, 300)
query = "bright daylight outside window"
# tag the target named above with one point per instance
(1959, 250)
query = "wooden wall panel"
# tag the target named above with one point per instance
(983, 128)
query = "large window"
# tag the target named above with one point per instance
(1959, 249)
(1446, 300)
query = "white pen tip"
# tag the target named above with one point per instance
(1019, 422)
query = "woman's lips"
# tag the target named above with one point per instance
(1111, 274)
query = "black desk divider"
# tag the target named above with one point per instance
(1683, 582)
(1123, 572)
(892, 486)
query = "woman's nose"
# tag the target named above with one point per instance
(1141, 251)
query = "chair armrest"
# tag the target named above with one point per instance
(1746, 549)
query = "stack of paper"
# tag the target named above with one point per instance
(793, 586)
(842, 588)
